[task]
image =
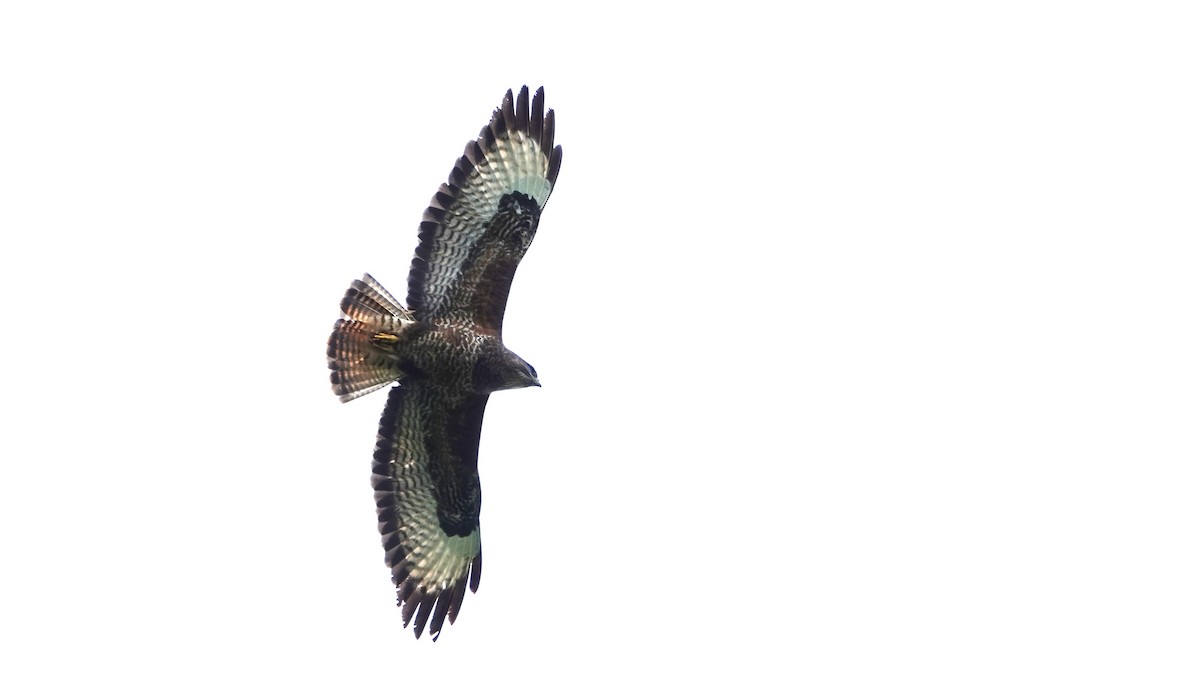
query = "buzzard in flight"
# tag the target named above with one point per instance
(447, 353)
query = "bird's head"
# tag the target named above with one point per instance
(505, 372)
(523, 374)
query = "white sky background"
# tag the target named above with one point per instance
(869, 337)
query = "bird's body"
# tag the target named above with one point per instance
(447, 353)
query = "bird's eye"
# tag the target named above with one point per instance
(532, 370)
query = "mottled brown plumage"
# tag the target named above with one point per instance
(447, 354)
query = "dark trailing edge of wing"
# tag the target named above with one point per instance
(509, 118)
(432, 607)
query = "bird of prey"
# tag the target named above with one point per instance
(446, 352)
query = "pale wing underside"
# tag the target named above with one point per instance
(514, 153)
(415, 478)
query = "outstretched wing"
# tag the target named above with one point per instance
(482, 220)
(426, 481)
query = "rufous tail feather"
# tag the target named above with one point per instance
(362, 348)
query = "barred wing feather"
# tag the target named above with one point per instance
(514, 154)
(426, 481)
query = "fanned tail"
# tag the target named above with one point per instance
(363, 347)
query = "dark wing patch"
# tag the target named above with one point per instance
(426, 482)
(479, 296)
(515, 152)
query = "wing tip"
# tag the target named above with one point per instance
(519, 114)
(422, 608)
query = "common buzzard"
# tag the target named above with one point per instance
(447, 353)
